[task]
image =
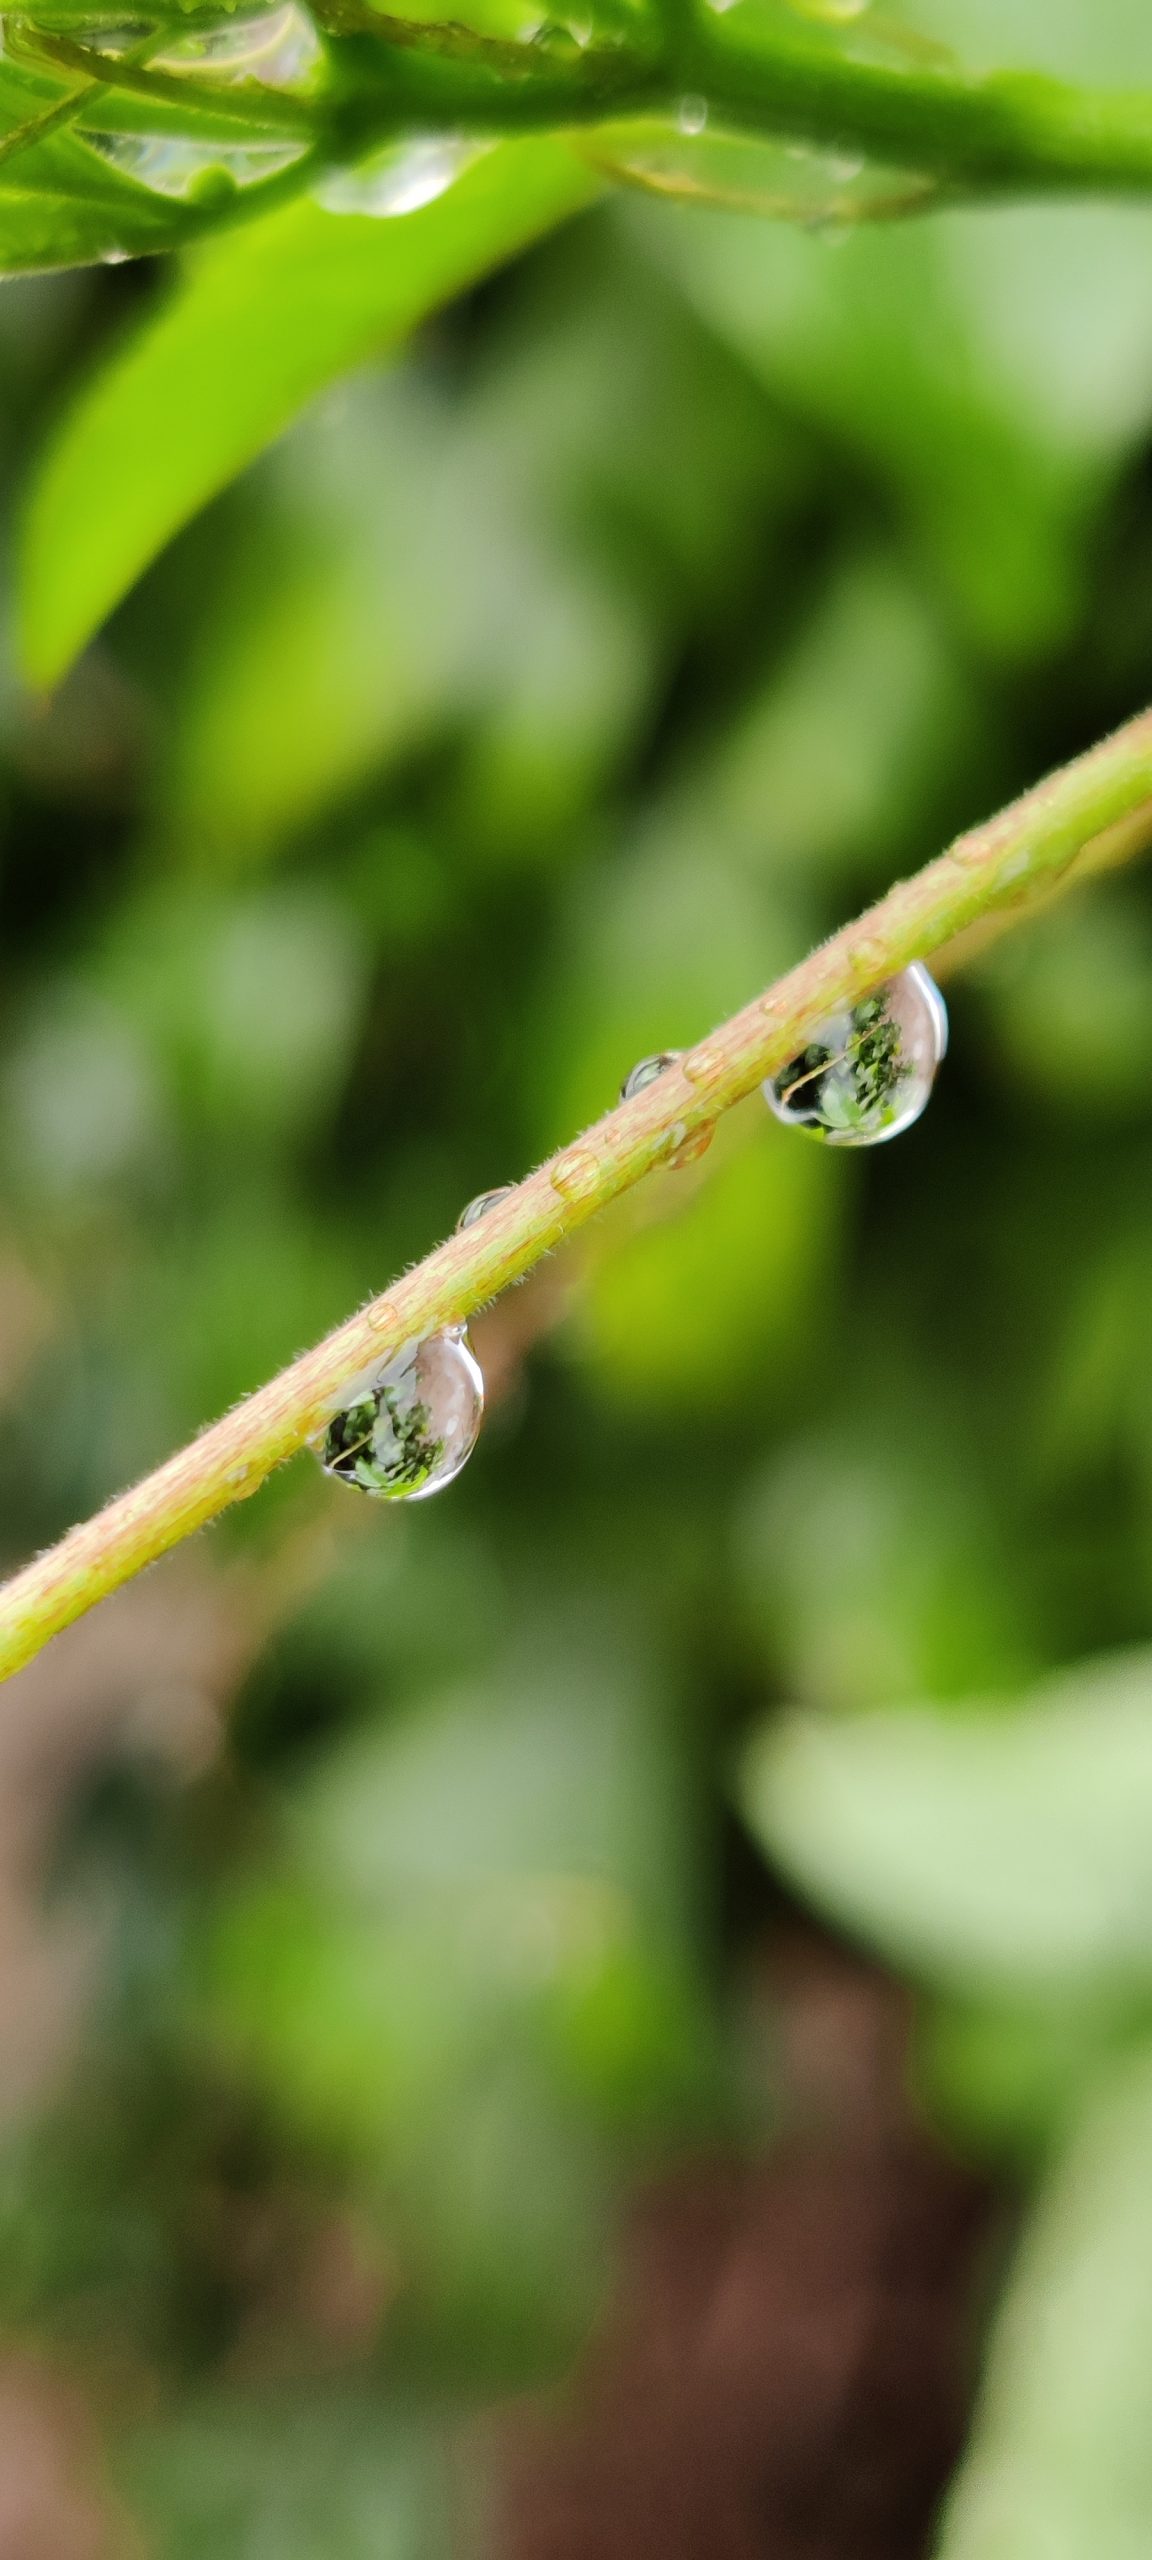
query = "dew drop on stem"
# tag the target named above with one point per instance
(409, 1427)
(483, 1202)
(868, 1070)
(196, 172)
(646, 1071)
(400, 179)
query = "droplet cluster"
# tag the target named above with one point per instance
(865, 1074)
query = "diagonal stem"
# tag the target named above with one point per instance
(1094, 811)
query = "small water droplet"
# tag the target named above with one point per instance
(400, 179)
(868, 1070)
(483, 1202)
(555, 38)
(684, 1148)
(693, 114)
(577, 1174)
(706, 1064)
(383, 1317)
(409, 1427)
(174, 165)
(114, 257)
(646, 1072)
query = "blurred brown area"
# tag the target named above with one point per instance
(784, 2374)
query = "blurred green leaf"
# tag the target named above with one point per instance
(263, 321)
(1061, 2462)
(320, 2474)
(984, 1852)
(988, 369)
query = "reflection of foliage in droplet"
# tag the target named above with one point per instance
(876, 1054)
(399, 1458)
(853, 1086)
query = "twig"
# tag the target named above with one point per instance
(1094, 811)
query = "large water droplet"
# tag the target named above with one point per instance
(399, 179)
(483, 1202)
(410, 1427)
(277, 47)
(174, 165)
(824, 190)
(867, 1071)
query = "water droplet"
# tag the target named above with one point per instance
(114, 257)
(645, 1073)
(277, 47)
(483, 1202)
(555, 38)
(174, 165)
(576, 1174)
(705, 1064)
(752, 175)
(685, 1148)
(384, 1317)
(399, 179)
(693, 114)
(409, 1427)
(867, 1072)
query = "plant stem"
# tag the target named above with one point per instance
(974, 136)
(1094, 811)
(1008, 131)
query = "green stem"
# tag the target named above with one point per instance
(976, 135)
(1008, 132)
(1098, 809)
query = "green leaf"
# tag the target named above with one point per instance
(1061, 2459)
(323, 2474)
(263, 320)
(995, 1853)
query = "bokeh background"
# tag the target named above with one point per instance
(610, 2014)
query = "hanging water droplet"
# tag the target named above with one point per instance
(410, 1427)
(693, 114)
(554, 37)
(686, 1146)
(645, 1073)
(483, 1202)
(174, 165)
(680, 1147)
(867, 1071)
(400, 179)
(752, 175)
(277, 47)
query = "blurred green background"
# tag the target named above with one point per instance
(388, 1901)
